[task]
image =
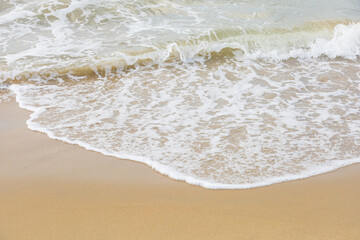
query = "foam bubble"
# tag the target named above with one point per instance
(5, 94)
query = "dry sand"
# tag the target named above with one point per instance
(53, 190)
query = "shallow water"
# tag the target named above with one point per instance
(223, 94)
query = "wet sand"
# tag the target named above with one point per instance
(53, 190)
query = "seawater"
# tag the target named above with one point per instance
(221, 94)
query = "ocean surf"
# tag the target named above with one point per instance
(221, 94)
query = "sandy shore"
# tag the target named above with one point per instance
(53, 190)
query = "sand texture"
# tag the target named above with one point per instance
(53, 190)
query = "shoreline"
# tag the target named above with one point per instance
(54, 190)
(35, 112)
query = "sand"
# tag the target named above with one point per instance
(53, 190)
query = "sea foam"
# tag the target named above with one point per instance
(231, 127)
(227, 94)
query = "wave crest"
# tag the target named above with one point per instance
(312, 40)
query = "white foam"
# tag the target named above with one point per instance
(222, 95)
(168, 171)
(50, 36)
(197, 128)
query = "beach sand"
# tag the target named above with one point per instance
(53, 190)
